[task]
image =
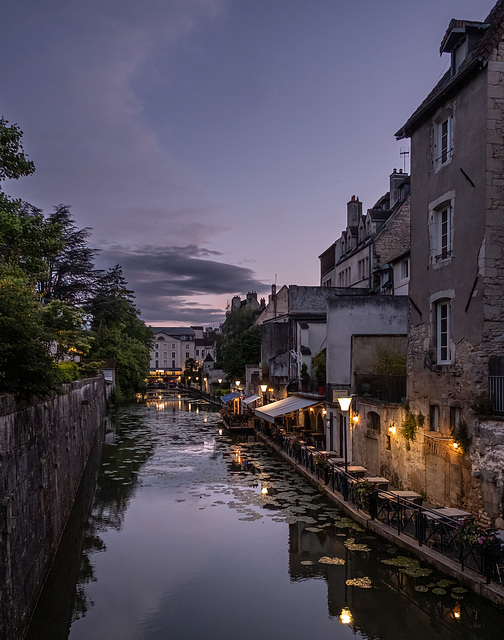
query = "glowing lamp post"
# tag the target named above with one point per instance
(263, 391)
(345, 403)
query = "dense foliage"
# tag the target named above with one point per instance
(60, 319)
(239, 343)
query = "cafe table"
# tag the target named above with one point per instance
(453, 513)
(379, 481)
(412, 496)
(356, 471)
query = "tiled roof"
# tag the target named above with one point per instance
(475, 60)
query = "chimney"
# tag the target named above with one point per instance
(396, 179)
(354, 211)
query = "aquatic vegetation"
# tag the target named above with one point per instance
(446, 582)
(351, 545)
(363, 583)
(409, 566)
(327, 560)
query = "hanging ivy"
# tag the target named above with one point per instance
(461, 436)
(409, 425)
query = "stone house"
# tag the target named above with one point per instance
(363, 255)
(456, 315)
(293, 330)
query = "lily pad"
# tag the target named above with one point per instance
(351, 545)
(328, 560)
(307, 562)
(438, 591)
(459, 590)
(363, 583)
(445, 583)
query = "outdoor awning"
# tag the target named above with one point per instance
(271, 411)
(250, 399)
(230, 396)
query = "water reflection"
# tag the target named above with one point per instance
(194, 533)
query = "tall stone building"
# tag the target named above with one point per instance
(456, 316)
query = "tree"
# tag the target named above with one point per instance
(69, 274)
(26, 365)
(244, 349)
(64, 325)
(118, 332)
(13, 162)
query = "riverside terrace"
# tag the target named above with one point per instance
(445, 538)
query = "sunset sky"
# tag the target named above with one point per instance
(212, 145)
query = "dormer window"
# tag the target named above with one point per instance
(460, 39)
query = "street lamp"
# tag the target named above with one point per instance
(345, 403)
(237, 384)
(263, 388)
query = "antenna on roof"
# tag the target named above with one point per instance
(404, 153)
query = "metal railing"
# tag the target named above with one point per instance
(384, 388)
(425, 526)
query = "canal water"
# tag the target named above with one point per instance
(193, 533)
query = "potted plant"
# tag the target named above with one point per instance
(319, 368)
(305, 377)
(478, 538)
(363, 489)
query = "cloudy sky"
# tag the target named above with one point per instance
(212, 145)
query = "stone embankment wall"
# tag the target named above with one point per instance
(43, 452)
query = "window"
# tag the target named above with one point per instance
(405, 269)
(443, 144)
(441, 228)
(173, 364)
(363, 268)
(173, 354)
(197, 352)
(345, 277)
(444, 232)
(454, 418)
(434, 417)
(173, 345)
(187, 347)
(443, 332)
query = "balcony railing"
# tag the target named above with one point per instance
(382, 388)
(307, 386)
